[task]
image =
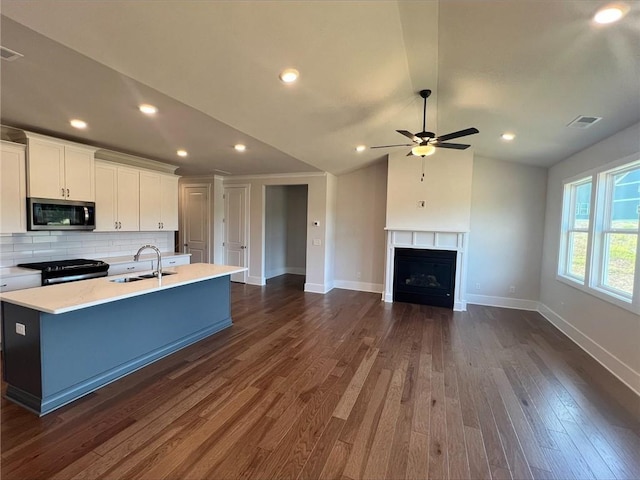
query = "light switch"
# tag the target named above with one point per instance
(21, 329)
(317, 242)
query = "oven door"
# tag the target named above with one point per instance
(48, 214)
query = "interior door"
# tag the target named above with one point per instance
(196, 222)
(236, 230)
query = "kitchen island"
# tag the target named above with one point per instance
(63, 341)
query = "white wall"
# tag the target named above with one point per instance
(316, 255)
(446, 191)
(609, 333)
(505, 242)
(360, 234)
(33, 247)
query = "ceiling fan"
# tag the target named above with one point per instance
(425, 143)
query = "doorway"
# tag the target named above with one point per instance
(236, 229)
(196, 221)
(285, 249)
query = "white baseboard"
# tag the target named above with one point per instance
(608, 360)
(284, 270)
(360, 286)
(505, 302)
(256, 280)
(317, 288)
(460, 306)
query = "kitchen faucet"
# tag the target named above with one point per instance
(136, 257)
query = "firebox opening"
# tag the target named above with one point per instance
(423, 276)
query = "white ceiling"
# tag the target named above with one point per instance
(212, 68)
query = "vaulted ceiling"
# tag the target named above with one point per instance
(211, 68)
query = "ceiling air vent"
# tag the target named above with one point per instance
(9, 55)
(584, 122)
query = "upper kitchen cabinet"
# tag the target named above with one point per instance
(158, 201)
(58, 169)
(117, 198)
(13, 203)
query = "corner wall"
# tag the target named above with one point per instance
(505, 242)
(608, 333)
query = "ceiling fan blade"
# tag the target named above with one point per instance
(407, 134)
(456, 146)
(398, 145)
(461, 133)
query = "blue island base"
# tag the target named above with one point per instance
(65, 356)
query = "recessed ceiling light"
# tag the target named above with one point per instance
(182, 153)
(240, 147)
(361, 148)
(508, 136)
(611, 13)
(148, 109)
(75, 123)
(289, 75)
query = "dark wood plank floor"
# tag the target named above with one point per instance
(343, 386)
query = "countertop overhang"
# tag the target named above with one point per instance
(72, 296)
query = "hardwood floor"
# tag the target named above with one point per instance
(343, 386)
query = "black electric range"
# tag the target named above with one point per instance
(62, 271)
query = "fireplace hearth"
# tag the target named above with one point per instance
(426, 277)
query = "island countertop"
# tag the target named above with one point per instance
(72, 296)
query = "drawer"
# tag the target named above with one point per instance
(175, 261)
(131, 267)
(8, 284)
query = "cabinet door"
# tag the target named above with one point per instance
(150, 202)
(128, 199)
(45, 169)
(169, 202)
(79, 173)
(106, 191)
(12, 189)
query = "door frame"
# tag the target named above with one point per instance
(247, 223)
(182, 221)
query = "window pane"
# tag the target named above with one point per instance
(620, 261)
(577, 254)
(626, 199)
(582, 202)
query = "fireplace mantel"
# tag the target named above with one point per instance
(430, 240)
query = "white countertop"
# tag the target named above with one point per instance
(67, 297)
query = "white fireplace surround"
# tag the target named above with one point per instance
(428, 240)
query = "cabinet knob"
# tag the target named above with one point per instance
(62, 191)
(67, 193)
(115, 225)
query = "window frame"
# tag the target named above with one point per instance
(600, 226)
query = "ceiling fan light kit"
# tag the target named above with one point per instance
(425, 143)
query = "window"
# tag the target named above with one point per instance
(599, 239)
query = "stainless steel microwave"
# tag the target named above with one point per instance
(49, 214)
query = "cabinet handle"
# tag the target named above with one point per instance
(162, 225)
(120, 225)
(67, 193)
(171, 263)
(115, 225)
(131, 268)
(62, 192)
(3, 285)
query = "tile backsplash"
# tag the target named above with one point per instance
(59, 245)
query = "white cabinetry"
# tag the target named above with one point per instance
(57, 169)
(12, 188)
(117, 198)
(176, 260)
(158, 201)
(132, 267)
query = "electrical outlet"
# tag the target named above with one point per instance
(512, 289)
(21, 329)
(477, 286)
(317, 242)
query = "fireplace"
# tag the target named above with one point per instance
(443, 247)
(424, 276)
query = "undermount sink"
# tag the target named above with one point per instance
(140, 277)
(126, 280)
(153, 275)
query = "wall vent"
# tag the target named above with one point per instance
(583, 121)
(9, 55)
